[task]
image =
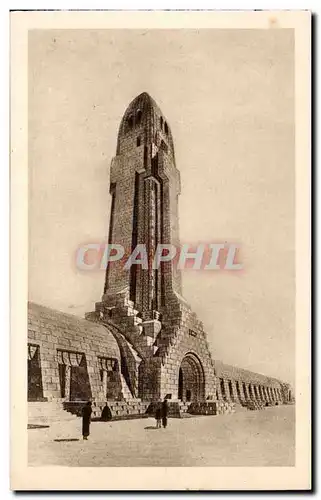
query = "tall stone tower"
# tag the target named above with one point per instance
(144, 184)
(146, 304)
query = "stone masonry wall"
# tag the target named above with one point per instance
(182, 334)
(144, 135)
(150, 379)
(52, 330)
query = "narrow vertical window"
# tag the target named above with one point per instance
(112, 191)
(130, 122)
(145, 156)
(133, 270)
(222, 388)
(112, 211)
(138, 141)
(138, 117)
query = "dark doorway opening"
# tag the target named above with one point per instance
(73, 376)
(79, 382)
(62, 379)
(35, 389)
(113, 381)
(191, 380)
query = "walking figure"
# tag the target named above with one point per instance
(86, 418)
(164, 413)
(158, 416)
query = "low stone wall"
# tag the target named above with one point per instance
(113, 410)
(118, 410)
(173, 409)
(211, 408)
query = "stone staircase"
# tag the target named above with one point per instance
(75, 408)
(121, 309)
(47, 412)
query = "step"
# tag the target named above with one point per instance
(47, 413)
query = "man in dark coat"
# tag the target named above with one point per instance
(158, 416)
(164, 413)
(86, 418)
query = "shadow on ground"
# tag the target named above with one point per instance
(66, 439)
(38, 426)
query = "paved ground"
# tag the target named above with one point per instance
(251, 438)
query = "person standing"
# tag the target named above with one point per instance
(86, 419)
(164, 413)
(158, 416)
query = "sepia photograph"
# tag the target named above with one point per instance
(159, 175)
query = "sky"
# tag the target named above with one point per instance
(228, 96)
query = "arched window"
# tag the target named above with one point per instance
(138, 117)
(166, 128)
(138, 142)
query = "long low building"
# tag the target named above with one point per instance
(72, 360)
(239, 384)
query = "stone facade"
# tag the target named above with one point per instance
(243, 385)
(63, 348)
(143, 342)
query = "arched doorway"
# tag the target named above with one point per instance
(191, 380)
